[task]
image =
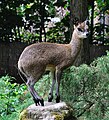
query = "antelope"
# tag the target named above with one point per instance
(39, 57)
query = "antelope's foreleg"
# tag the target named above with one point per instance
(50, 97)
(58, 78)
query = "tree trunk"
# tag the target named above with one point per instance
(79, 10)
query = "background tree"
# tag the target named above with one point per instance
(79, 11)
(11, 20)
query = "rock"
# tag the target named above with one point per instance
(51, 111)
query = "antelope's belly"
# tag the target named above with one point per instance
(50, 67)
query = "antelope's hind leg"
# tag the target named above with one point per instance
(38, 100)
(32, 77)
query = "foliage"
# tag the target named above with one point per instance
(101, 28)
(9, 95)
(60, 32)
(43, 86)
(9, 19)
(14, 97)
(86, 89)
(27, 21)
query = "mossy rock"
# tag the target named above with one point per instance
(51, 111)
(23, 115)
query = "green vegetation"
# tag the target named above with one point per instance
(85, 88)
(14, 97)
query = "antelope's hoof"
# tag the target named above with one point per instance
(39, 102)
(58, 99)
(50, 98)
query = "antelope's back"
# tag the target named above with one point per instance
(43, 53)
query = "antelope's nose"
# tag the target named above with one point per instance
(87, 34)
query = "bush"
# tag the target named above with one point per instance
(10, 94)
(15, 97)
(86, 89)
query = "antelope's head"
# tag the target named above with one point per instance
(81, 30)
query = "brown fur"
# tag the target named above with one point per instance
(41, 55)
(38, 57)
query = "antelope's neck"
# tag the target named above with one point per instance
(75, 44)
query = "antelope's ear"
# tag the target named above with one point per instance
(87, 21)
(76, 22)
(75, 26)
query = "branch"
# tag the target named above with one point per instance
(87, 107)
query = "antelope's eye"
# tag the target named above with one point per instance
(79, 29)
(87, 29)
(87, 23)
